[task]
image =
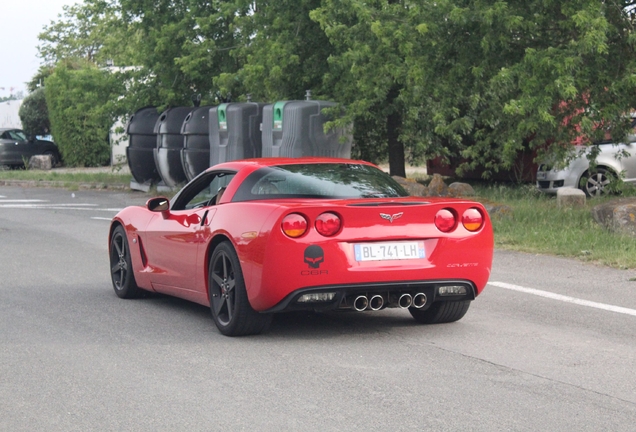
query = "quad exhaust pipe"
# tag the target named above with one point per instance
(377, 301)
(419, 300)
(360, 303)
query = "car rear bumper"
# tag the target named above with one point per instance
(344, 296)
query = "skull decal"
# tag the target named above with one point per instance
(314, 256)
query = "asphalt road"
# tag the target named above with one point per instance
(550, 345)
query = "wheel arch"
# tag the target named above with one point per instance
(113, 226)
(216, 240)
(609, 168)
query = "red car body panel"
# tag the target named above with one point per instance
(170, 251)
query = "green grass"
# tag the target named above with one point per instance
(537, 225)
(67, 178)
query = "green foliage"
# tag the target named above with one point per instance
(34, 114)
(367, 70)
(82, 110)
(475, 80)
(493, 78)
(281, 52)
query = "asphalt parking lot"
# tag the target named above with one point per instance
(550, 345)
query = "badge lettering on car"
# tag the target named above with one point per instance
(391, 218)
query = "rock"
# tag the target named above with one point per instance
(437, 187)
(458, 189)
(498, 211)
(41, 162)
(411, 186)
(618, 216)
(570, 197)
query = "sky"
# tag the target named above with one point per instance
(22, 21)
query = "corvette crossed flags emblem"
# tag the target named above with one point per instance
(391, 218)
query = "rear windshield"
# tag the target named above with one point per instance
(318, 181)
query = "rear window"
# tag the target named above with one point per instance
(318, 181)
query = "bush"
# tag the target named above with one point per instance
(34, 114)
(82, 110)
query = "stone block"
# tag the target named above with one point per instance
(41, 162)
(411, 186)
(618, 216)
(458, 189)
(437, 187)
(570, 197)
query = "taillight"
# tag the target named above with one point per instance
(472, 219)
(294, 225)
(445, 220)
(328, 224)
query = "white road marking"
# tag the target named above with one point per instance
(102, 218)
(567, 299)
(75, 206)
(39, 205)
(22, 201)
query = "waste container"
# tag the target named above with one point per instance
(141, 144)
(169, 145)
(235, 131)
(195, 130)
(296, 129)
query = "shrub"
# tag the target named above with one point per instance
(34, 114)
(82, 110)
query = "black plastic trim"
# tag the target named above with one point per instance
(289, 303)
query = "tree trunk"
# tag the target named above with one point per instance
(393, 127)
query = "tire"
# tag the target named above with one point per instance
(231, 309)
(441, 312)
(595, 184)
(121, 270)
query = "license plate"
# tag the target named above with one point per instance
(387, 251)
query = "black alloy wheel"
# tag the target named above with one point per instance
(231, 310)
(121, 270)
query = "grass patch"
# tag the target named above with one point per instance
(537, 225)
(66, 177)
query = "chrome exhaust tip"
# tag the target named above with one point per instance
(405, 301)
(419, 300)
(360, 303)
(376, 302)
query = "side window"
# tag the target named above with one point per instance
(18, 136)
(203, 191)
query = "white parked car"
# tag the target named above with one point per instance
(577, 174)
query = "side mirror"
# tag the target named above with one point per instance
(159, 204)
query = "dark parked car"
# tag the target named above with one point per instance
(16, 148)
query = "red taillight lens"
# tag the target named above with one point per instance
(328, 224)
(472, 219)
(445, 220)
(294, 225)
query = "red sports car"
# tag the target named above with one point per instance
(253, 237)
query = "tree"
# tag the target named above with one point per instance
(280, 52)
(92, 31)
(82, 109)
(34, 114)
(487, 79)
(367, 68)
